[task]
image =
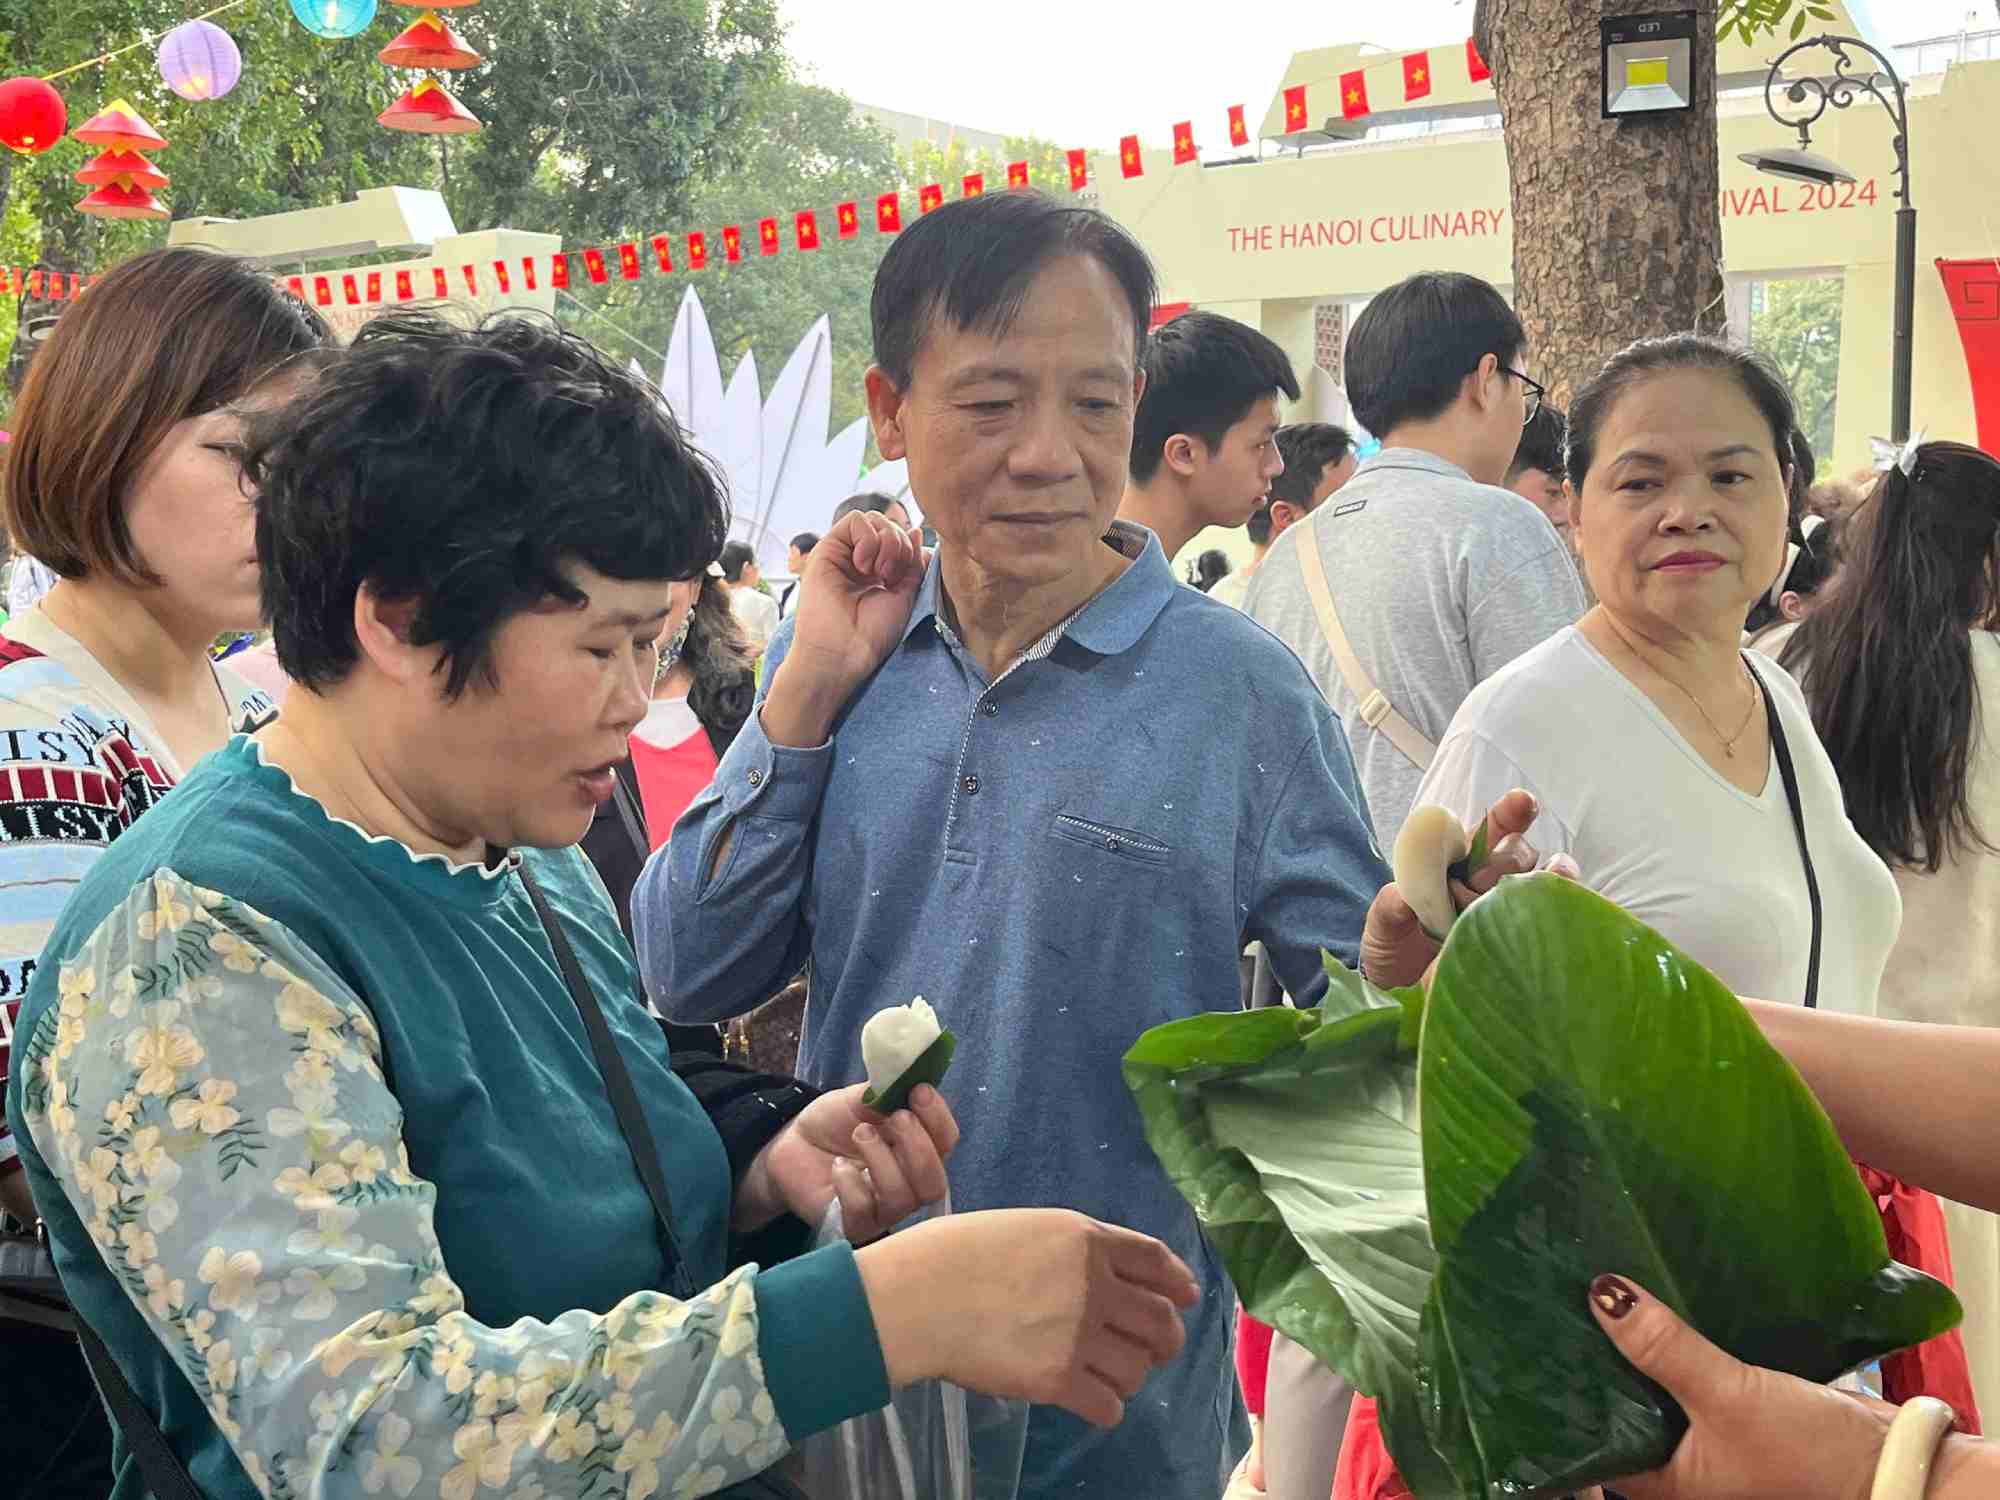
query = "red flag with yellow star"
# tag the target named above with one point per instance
(1416, 76)
(889, 213)
(1295, 107)
(697, 251)
(767, 236)
(973, 185)
(1129, 157)
(500, 275)
(322, 292)
(347, 288)
(1474, 63)
(850, 220)
(806, 228)
(442, 287)
(1017, 174)
(404, 290)
(374, 287)
(593, 262)
(528, 271)
(663, 253)
(929, 196)
(628, 261)
(1239, 130)
(471, 280)
(1184, 151)
(732, 243)
(1079, 171)
(1354, 94)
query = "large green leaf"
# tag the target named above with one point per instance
(1293, 1134)
(1596, 1101)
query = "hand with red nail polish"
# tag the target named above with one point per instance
(1755, 1434)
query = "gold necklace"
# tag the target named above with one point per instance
(1728, 740)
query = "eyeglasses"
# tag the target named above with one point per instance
(1535, 389)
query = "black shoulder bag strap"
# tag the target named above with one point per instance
(1783, 752)
(625, 793)
(165, 1475)
(617, 1083)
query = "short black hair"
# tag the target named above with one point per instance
(1542, 443)
(735, 558)
(971, 262)
(465, 470)
(1415, 343)
(1203, 374)
(805, 541)
(1309, 449)
(1753, 371)
(872, 501)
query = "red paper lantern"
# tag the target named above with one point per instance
(429, 109)
(32, 115)
(428, 43)
(123, 202)
(128, 167)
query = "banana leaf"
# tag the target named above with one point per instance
(1593, 1101)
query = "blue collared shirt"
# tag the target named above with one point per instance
(1057, 860)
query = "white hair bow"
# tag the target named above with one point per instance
(1888, 456)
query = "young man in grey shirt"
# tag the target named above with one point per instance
(1439, 576)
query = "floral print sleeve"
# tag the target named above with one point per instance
(210, 1096)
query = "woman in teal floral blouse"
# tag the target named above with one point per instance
(309, 1110)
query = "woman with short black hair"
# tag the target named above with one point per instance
(356, 1143)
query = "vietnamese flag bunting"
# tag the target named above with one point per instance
(1079, 170)
(439, 285)
(849, 216)
(1416, 76)
(973, 185)
(1129, 157)
(56, 287)
(888, 213)
(35, 288)
(732, 243)
(929, 196)
(1354, 94)
(628, 261)
(697, 251)
(1184, 151)
(767, 236)
(1295, 107)
(805, 228)
(349, 290)
(1239, 131)
(500, 275)
(296, 285)
(663, 253)
(471, 280)
(404, 290)
(1017, 174)
(593, 262)
(1474, 63)
(559, 271)
(374, 291)
(528, 271)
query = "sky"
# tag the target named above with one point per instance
(1089, 71)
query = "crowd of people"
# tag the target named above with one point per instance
(365, 1074)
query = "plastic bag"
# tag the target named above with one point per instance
(933, 1441)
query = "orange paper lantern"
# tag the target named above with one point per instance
(118, 127)
(428, 43)
(429, 109)
(127, 167)
(32, 115)
(436, 4)
(123, 202)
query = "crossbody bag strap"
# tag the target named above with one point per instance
(625, 793)
(1377, 712)
(1790, 777)
(617, 1082)
(165, 1475)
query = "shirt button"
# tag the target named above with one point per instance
(1111, 844)
(756, 778)
(992, 710)
(971, 785)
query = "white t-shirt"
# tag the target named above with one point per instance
(758, 614)
(1654, 828)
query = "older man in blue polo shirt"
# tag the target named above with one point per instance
(1031, 779)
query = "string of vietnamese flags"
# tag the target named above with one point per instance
(626, 261)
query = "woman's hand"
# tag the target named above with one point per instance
(1395, 949)
(1038, 1304)
(821, 1155)
(1751, 1432)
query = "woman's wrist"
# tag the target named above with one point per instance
(756, 1201)
(900, 1296)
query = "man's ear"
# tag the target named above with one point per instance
(1180, 454)
(382, 631)
(1284, 515)
(885, 413)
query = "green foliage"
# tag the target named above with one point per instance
(1749, 19)
(1797, 323)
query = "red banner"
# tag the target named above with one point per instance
(1017, 174)
(593, 263)
(850, 220)
(471, 280)
(973, 184)
(1354, 94)
(1416, 76)
(1079, 170)
(663, 253)
(349, 290)
(628, 261)
(1239, 129)
(1973, 288)
(805, 228)
(1474, 63)
(500, 275)
(929, 196)
(559, 272)
(1295, 107)
(732, 243)
(889, 213)
(697, 251)
(1130, 160)
(528, 271)
(767, 236)
(405, 290)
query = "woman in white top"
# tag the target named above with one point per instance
(1643, 730)
(1902, 668)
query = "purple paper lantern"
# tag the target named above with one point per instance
(199, 60)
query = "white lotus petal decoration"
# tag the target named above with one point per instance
(784, 475)
(891, 479)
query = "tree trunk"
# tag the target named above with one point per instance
(1617, 224)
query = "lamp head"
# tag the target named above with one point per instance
(1797, 164)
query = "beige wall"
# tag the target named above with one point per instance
(1263, 242)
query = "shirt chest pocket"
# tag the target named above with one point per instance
(1125, 844)
(1111, 909)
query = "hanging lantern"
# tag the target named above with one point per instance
(32, 115)
(127, 167)
(436, 4)
(336, 20)
(118, 127)
(123, 202)
(428, 43)
(199, 60)
(429, 109)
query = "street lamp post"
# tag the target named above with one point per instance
(1810, 98)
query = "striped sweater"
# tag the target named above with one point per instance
(78, 763)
